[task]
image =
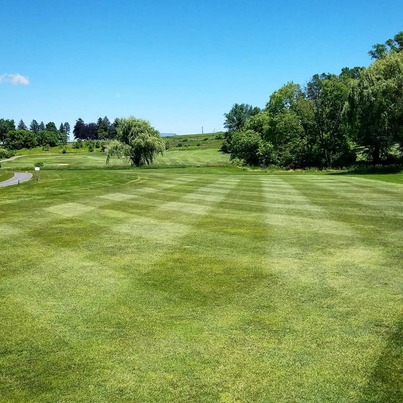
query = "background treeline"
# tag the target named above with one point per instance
(103, 129)
(16, 137)
(333, 121)
(37, 134)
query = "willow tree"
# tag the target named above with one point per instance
(137, 141)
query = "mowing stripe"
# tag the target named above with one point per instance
(298, 220)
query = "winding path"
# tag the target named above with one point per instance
(18, 178)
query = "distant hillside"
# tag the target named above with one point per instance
(168, 134)
(195, 141)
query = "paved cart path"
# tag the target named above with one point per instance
(18, 178)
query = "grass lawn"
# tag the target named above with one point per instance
(4, 175)
(200, 285)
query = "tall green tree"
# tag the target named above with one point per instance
(395, 45)
(62, 134)
(235, 120)
(137, 140)
(6, 125)
(112, 130)
(290, 127)
(376, 106)
(34, 126)
(103, 125)
(22, 125)
(328, 94)
(79, 129)
(51, 127)
(67, 129)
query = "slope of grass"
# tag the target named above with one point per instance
(195, 141)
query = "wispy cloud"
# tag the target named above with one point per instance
(15, 79)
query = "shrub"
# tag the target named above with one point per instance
(4, 153)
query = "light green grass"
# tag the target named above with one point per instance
(200, 285)
(171, 158)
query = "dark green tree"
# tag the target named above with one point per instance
(47, 138)
(376, 106)
(395, 45)
(67, 129)
(290, 127)
(245, 146)
(328, 94)
(34, 126)
(103, 125)
(112, 131)
(51, 127)
(62, 134)
(6, 125)
(79, 129)
(236, 118)
(18, 139)
(22, 125)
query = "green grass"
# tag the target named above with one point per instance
(171, 158)
(195, 141)
(203, 284)
(4, 175)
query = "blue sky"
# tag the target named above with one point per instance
(178, 64)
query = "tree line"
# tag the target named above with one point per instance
(333, 121)
(103, 129)
(16, 137)
(130, 138)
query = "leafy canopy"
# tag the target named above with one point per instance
(137, 141)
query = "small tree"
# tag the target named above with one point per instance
(137, 140)
(245, 146)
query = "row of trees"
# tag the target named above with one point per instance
(103, 129)
(15, 137)
(133, 139)
(328, 123)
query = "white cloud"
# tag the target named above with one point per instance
(15, 79)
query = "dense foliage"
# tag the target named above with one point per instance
(331, 122)
(137, 141)
(102, 130)
(38, 134)
(16, 137)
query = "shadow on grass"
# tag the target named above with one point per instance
(385, 383)
(370, 169)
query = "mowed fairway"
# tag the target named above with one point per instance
(171, 286)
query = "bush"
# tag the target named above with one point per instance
(4, 153)
(78, 144)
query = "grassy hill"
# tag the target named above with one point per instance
(198, 283)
